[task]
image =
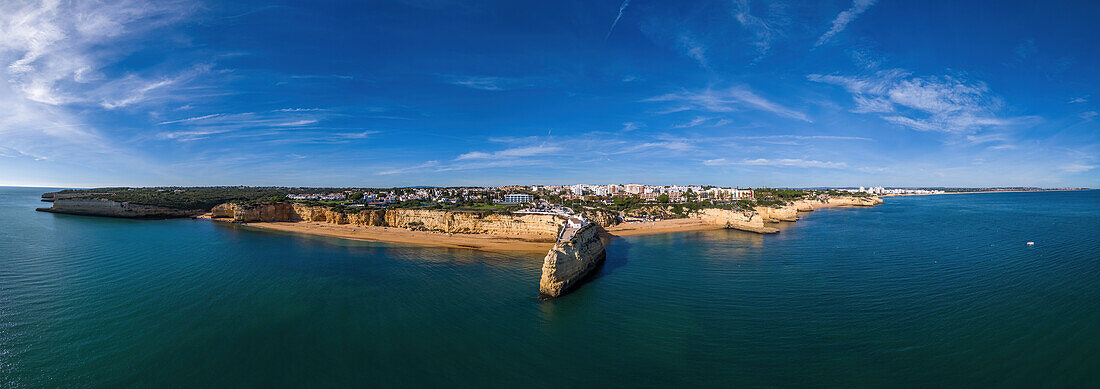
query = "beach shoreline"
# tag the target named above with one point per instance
(494, 243)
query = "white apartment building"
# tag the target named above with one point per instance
(517, 198)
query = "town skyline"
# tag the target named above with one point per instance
(750, 93)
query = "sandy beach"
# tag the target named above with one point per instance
(531, 243)
(422, 238)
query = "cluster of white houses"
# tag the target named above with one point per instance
(878, 190)
(675, 193)
(528, 194)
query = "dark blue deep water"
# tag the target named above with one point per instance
(924, 291)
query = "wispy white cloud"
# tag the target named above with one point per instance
(694, 50)
(667, 144)
(192, 119)
(946, 103)
(805, 137)
(424, 165)
(697, 121)
(491, 83)
(843, 18)
(1088, 115)
(518, 152)
(1077, 100)
(728, 100)
(629, 126)
(622, 8)
(1025, 49)
(52, 48)
(765, 27)
(300, 110)
(51, 56)
(239, 124)
(474, 160)
(1076, 167)
(785, 162)
(483, 83)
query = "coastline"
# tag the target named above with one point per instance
(682, 225)
(494, 243)
(984, 191)
(484, 242)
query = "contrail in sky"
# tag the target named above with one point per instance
(620, 16)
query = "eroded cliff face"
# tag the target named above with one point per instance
(738, 220)
(786, 213)
(103, 207)
(854, 201)
(474, 223)
(604, 218)
(263, 213)
(416, 219)
(571, 261)
(806, 205)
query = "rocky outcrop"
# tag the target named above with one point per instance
(102, 207)
(571, 261)
(735, 219)
(603, 218)
(786, 213)
(805, 205)
(259, 213)
(853, 201)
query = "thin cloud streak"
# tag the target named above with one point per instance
(622, 8)
(845, 17)
(785, 162)
(728, 100)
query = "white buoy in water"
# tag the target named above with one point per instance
(1030, 243)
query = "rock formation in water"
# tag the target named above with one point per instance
(571, 261)
(102, 207)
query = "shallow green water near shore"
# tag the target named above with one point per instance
(919, 291)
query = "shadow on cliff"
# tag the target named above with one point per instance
(616, 251)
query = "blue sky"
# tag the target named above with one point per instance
(437, 92)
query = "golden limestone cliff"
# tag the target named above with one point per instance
(103, 207)
(853, 201)
(735, 219)
(416, 219)
(754, 220)
(571, 261)
(602, 217)
(805, 205)
(786, 213)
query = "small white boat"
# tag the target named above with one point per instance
(1030, 243)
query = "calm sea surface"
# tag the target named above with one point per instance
(921, 291)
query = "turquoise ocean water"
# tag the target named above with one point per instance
(921, 291)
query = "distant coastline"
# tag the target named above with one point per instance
(988, 191)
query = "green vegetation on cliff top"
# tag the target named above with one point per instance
(191, 197)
